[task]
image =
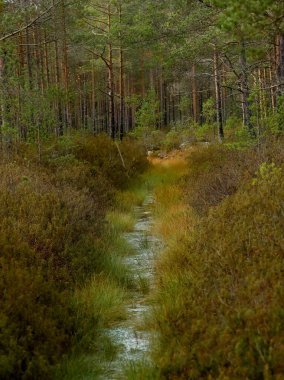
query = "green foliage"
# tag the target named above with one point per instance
(232, 123)
(276, 120)
(247, 17)
(209, 111)
(152, 138)
(185, 103)
(172, 140)
(180, 132)
(148, 114)
(207, 131)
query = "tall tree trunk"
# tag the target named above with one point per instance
(112, 126)
(262, 100)
(93, 100)
(29, 58)
(2, 100)
(245, 90)
(280, 63)
(218, 97)
(46, 60)
(60, 129)
(195, 106)
(272, 91)
(121, 81)
(143, 74)
(68, 116)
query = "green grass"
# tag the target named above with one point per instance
(141, 370)
(134, 196)
(143, 284)
(78, 367)
(105, 300)
(120, 221)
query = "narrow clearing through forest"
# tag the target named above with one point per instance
(132, 340)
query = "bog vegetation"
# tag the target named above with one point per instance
(218, 306)
(87, 88)
(53, 241)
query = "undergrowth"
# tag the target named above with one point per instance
(218, 304)
(61, 274)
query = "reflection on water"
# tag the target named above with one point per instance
(132, 340)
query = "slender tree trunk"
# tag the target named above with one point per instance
(174, 108)
(143, 74)
(93, 100)
(2, 100)
(68, 116)
(121, 81)
(29, 58)
(194, 96)
(261, 82)
(246, 106)
(218, 98)
(272, 91)
(59, 105)
(46, 60)
(60, 129)
(280, 63)
(112, 126)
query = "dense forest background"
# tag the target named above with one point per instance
(110, 66)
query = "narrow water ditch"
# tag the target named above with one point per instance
(129, 336)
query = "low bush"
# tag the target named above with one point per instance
(52, 242)
(222, 310)
(216, 172)
(218, 306)
(116, 162)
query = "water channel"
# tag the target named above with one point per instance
(134, 341)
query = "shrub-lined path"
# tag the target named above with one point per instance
(131, 336)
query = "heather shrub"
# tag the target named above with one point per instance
(40, 227)
(134, 157)
(216, 172)
(53, 240)
(219, 303)
(50, 220)
(35, 322)
(117, 162)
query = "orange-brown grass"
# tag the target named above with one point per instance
(175, 160)
(171, 212)
(218, 303)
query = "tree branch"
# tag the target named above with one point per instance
(27, 26)
(105, 60)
